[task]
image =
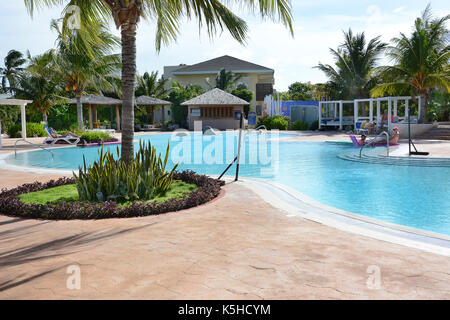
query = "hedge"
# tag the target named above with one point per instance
(33, 129)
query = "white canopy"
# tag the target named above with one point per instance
(16, 102)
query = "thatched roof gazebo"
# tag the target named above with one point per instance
(146, 101)
(215, 108)
(93, 100)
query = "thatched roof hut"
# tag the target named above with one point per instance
(215, 108)
(216, 97)
(148, 102)
(94, 100)
(151, 101)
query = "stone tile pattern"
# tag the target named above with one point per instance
(237, 247)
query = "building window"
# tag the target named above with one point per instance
(263, 90)
(217, 112)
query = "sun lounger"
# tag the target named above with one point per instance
(73, 140)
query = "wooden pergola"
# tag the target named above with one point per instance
(93, 101)
(4, 100)
(146, 101)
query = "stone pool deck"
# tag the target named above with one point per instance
(236, 247)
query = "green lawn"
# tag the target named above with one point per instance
(69, 193)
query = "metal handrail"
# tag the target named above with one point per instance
(31, 143)
(387, 144)
(261, 126)
(209, 128)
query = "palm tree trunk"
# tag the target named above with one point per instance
(79, 112)
(44, 118)
(128, 84)
(423, 108)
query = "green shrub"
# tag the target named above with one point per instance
(279, 123)
(275, 122)
(314, 125)
(33, 130)
(110, 179)
(299, 125)
(94, 136)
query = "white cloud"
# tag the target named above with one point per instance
(397, 10)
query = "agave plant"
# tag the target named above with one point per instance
(109, 178)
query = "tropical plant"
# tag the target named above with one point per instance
(299, 125)
(226, 80)
(274, 122)
(11, 204)
(8, 115)
(179, 94)
(421, 61)
(355, 60)
(149, 85)
(14, 62)
(86, 65)
(212, 16)
(113, 179)
(39, 84)
(299, 91)
(440, 104)
(95, 136)
(242, 92)
(33, 130)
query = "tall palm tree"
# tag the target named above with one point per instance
(84, 64)
(14, 62)
(355, 61)
(150, 85)
(212, 16)
(420, 61)
(38, 85)
(226, 80)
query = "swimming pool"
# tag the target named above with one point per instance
(412, 196)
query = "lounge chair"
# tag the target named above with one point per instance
(359, 130)
(73, 140)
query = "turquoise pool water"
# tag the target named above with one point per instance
(412, 196)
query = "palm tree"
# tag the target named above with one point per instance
(226, 80)
(14, 61)
(149, 85)
(420, 61)
(355, 61)
(212, 15)
(84, 64)
(38, 85)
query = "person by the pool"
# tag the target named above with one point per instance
(55, 135)
(394, 135)
(362, 141)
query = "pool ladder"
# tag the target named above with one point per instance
(31, 143)
(261, 127)
(387, 144)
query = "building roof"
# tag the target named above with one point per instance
(96, 99)
(215, 97)
(151, 101)
(224, 62)
(6, 99)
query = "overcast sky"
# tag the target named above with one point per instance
(318, 25)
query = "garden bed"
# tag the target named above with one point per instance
(69, 208)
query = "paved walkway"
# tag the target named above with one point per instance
(236, 247)
(222, 250)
